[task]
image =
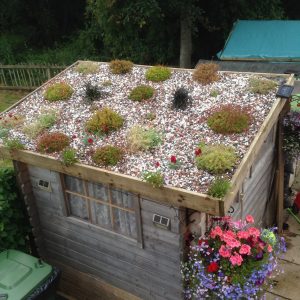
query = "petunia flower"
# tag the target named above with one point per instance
(249, 219)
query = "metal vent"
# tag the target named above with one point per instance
(161, 221)
(44, 185)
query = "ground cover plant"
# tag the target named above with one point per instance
(87, 67)
(58, 91)
(261, 85)
(156, 178)
(158, 73)
(13, 144)
(219, 188)
(11, 120)
(118, 66)
(142, 92)
(69, 157)
(206, 73)
(107, 155)
(52, 142)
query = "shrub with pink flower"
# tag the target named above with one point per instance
(233, 261)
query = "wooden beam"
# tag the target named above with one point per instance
(249, 158)
(170, 195)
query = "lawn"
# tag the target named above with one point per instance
(7, 99)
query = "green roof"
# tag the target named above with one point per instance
(263, 40)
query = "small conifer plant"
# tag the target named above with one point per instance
(142, 92)
(107, 155)
(206, 73)
(181, 98)
(158, 73)
(58, 91)
(52, 142)
(118, 66)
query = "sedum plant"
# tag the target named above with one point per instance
(158, 73)
(219, 188)
(52, 142)
(261, 85)
(118, 66)
(206, 73)
(11, 121)
(216, 159)
(58, 91)
(107, 155)
(142, 92)
(68, 157)
(156, 179)
(13, 144)
(87, 67)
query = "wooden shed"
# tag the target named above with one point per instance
(114, 235)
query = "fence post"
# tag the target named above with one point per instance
(48, 73)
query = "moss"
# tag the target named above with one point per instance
(142, 92)
(261, 86)
(52, 142)
(216, 159)
(158, 73)
(219, 188)
(118, 66)
(206, 73)
(87, 67)
(107, 155)
(58, 91)
(104, 121)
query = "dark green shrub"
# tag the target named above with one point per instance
(104, 121)
(181, 98)
(261, 86)
(87, 67)
(158, 73)
(107, 155)
(118, 66)
(219, 188)
(13, 226)
(68, 157)
(206, 73)
(92, 92)
(142, 92)
(229, 119)
(52, 142)
(58, 91)
(156, 179)
(216, 159)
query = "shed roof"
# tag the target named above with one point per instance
(275, 40)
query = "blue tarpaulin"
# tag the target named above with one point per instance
(263, 40)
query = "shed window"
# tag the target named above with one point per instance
(103, 206)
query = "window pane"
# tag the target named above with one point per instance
(123, 199)
(98, 191)
(74, 184)
(78, 207)
(124, 222)
(101, 214)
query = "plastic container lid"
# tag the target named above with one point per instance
(20, 274)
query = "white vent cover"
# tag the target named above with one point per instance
(44, 185)
(161, 221)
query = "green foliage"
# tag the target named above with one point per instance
(214, 93)
(13, 225)
(206, 73)
(150, 116)
(291, 134)
(181, 98)
(104, 121)
(13, 144)
(156, 179)
(92, 92)
(87, 67)
(68, 157)
(107, 155)
(261, 85)
(44, 121)
(4, 133)
(142, 92)
(216, 159)
(52, 142)
(219, 188)
(158, 73)
(228, 119)
(11, 120)
(142, 139)
(118, 66)
(58, 91)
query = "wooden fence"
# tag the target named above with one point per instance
(27, 77)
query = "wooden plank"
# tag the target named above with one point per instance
(173, 196)
(254, 149)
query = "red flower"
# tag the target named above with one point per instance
(173, 159)
(198, 152)
(157, 164)
(212, 267)
(90, 140)
(10, 115)
(74, 136)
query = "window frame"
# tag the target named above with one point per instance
(136, 210)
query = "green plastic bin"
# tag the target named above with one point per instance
(21, 275)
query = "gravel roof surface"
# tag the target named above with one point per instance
(182, 130)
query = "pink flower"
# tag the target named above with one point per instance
(157, 164)
(243, 235)
(173, 159)
(245, 249)
(236, 259)
(232, 243)
(224, 251)
(249, 219)
(217, 231)
(269, 248)
(254, 232)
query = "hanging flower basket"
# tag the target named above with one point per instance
(233, 261)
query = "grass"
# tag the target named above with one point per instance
(7, 99)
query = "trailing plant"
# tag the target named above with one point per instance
(58, 91)
(142, 139)
(11, 120)
(181, 98)
(291, 134)
(229, 118)
(14, 144)
(107, 155)
(92, 92)
(158, 73)
(261, 85)
(216, 159)
(142, 92)
(206, 73)
(118, 66)
(104, 121)
(52, 142)
(156, 179)
(219, 188)
(69, 157)
(13, 226)
(87, 67)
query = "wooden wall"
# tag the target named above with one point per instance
(151, 272)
